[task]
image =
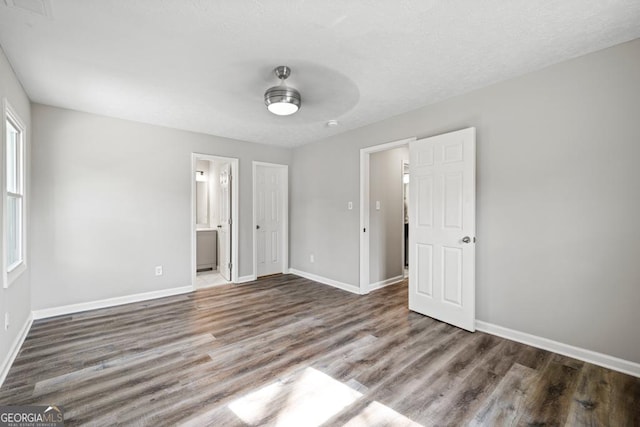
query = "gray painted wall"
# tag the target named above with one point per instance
(112, 199)
(15, 300)
(386, 238)
(558, 198)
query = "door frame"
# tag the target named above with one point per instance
(235, 196)
(365, 159)
(405, 230)
(285, 216)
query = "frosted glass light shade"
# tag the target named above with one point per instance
(282, 108)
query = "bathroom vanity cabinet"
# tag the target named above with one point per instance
(206, 249)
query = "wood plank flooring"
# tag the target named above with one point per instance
(288, 351)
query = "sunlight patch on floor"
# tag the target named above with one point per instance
(378, 414)
(313, 399)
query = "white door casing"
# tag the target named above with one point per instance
(270, 218)
(365, 160)
(224, 226)
(233, 195)
(442, 227)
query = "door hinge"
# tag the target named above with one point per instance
(230, 221)
(229, 266)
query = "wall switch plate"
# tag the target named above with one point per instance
(350, 205)
(312, 258)
(158, 270)
(377, 205)
(6, 321)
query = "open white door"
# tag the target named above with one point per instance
(442, 227)
(224, 227)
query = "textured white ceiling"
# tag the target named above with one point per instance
(204, 65)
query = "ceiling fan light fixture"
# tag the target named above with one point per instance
(282, 100)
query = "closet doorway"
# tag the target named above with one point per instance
(270, 219)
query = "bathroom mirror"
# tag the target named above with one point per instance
(202, 203)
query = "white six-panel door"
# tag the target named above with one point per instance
(269, 219)
(442, 227)
(224, 227)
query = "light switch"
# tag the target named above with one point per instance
(377, 205)
(350, 205)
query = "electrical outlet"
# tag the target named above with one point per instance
(6, 321)
(312, 258)
(158, 270)
(377, 205)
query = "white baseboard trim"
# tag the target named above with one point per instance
(326, 281)
(245, 279)
(387, 282)
(109, 302)
(600, 359)
(15, 349)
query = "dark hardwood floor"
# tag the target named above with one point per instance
(288, 351)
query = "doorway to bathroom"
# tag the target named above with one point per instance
(214, 220)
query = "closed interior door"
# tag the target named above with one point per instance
(224, 227)
(269, 219)
(442, 227)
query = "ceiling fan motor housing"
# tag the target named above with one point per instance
(282, 99)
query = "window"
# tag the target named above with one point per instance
(14, 224)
